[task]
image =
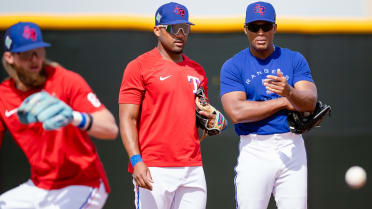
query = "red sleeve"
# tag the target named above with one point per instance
(132, 86)
(80, 96)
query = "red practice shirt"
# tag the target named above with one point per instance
(61, 157)
(168, 135)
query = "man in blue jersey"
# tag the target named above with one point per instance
(258, 87)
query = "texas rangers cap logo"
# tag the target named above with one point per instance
(29, 33)
(179, 11)
(258, 9)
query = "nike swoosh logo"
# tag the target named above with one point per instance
(163, 78)
(9, 113)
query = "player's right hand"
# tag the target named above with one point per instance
(47, 109)
(142, 176)
(24, 111)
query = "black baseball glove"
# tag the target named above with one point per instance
(201, 104)
(303, 122)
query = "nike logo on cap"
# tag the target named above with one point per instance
(9, 113)
(163, 78)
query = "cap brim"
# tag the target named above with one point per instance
(177, 22)
(260, 19)
(30, 47)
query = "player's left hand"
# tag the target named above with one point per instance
(211, 118)
(277, 84)
(208, 118)
(47, 109)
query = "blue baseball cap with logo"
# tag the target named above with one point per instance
(172, 13)
(24, 36)
(260, 11)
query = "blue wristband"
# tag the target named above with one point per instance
(83, 121)
(135, 159)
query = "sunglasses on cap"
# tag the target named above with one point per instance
(253, 27)
(176, 28)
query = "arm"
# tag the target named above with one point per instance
(54, 114)
(103, 126)
(128, 115)
(240, 110)
(302, 96)
(234, 98)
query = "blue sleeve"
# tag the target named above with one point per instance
(301, 69)
(230, 78)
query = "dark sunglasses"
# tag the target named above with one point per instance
(176, 28)
(256, 27)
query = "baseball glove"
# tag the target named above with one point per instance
(303, 122)
(201, 104)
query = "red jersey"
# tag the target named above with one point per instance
(61, 157)
(167, 131)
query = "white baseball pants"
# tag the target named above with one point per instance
(27, 195)
(271, 164)
(173, 188)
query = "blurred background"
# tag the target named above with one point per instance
(98, 38)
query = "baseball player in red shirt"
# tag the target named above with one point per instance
(50, 111)
(157, 118)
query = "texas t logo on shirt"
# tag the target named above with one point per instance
(195, 81)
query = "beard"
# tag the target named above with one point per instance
(31, 79)
(168, 47)
(173, 51)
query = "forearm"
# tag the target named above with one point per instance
(129, 136)
(128, 114)
(251, 111)
(303, 100)
(103, 125)
(302, 96)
